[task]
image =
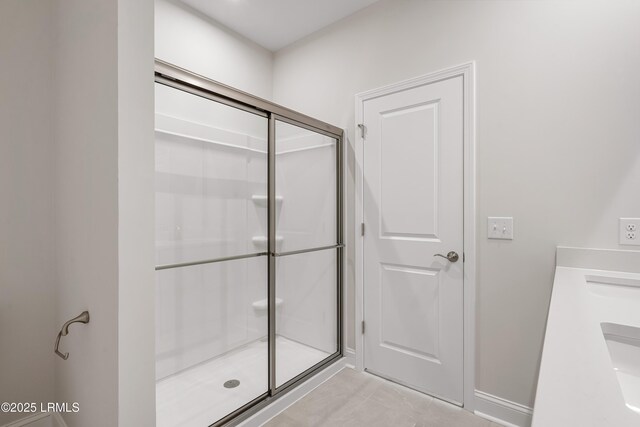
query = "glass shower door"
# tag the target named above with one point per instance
(211, 228)
(307, 238)
(249, 253)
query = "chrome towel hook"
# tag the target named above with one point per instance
(81, 318)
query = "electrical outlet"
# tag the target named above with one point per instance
(629, 231)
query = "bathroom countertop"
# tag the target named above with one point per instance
(577, 385)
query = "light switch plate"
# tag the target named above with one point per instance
(629, 231)
(500, 228)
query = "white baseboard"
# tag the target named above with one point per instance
(350, 357)
(39, 420)
(502, 411)
(291, 397)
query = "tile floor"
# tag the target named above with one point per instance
(196, 397)
(353, 399)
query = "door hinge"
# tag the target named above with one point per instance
(363, 130)
(362, 229)
(363, 327)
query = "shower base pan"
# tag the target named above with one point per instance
(198, 397)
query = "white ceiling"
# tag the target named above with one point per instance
(274, 24)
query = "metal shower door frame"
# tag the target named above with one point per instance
(184, 80)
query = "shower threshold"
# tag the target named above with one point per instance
(197, 396)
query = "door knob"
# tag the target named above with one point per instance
(451, 256)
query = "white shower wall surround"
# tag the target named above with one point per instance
(203, 312)
(202, 213)
(306, 218)
(211, 202)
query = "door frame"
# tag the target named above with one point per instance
(467, 71)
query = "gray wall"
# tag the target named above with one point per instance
(76, 184)
(191, 40)
(86, 195)
(27, 279)
(136, 213)
(104, 154)
(558, 137)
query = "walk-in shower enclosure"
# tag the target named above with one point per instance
(249, 249)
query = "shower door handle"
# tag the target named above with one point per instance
(451, 256)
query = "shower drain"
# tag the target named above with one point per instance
(231, 384)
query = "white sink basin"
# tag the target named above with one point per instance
(623, 343)
(614, 287)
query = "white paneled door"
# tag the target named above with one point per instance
(413, 213)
